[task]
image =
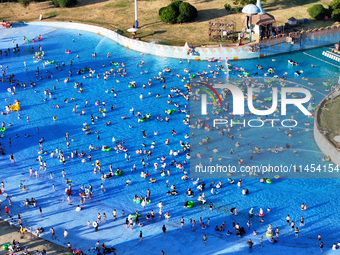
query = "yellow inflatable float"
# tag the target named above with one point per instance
(16, 106)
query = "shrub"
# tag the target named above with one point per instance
(227, 7)
(244, 2)
(64, 3)
(160, 11)
(335, 4)
(25, 3)
(169, 15)
(238, 9)
(336, 15)
(187, 10)
(181, 18)
(177, 12)
(317, 11)
(176, 4)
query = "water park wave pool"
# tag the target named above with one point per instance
(65, 111)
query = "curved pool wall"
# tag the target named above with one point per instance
(272, 46)
(323, 143)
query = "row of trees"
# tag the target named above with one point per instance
(319, 12)
(57, 3)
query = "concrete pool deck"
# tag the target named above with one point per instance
(272, 46)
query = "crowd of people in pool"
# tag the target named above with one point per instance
(85, 193)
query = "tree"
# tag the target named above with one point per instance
(335, 4)
(169, 14)
(317, 11)
(177, 12)
(188, 11)
(227, 7)
(64, 3)
(336, 15)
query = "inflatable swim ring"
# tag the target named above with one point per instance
(277, 176)
(134, 216)
(268, 181)
(190, 204)
(120, 173)
(107, 149)
(269, 234)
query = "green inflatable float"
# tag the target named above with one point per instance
(134, 216)
(171, 111)
(5, 246)
(190, 204)
(119, 173)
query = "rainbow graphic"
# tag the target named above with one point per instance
(209, 93)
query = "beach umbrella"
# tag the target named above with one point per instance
(186, 46)
(2, 198)
(132, 30)
(251, 9)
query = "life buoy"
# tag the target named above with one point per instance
(269, 234)
(95, 224)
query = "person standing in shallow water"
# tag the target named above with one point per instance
(205, 239)
(319, 238)
(250, 244)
